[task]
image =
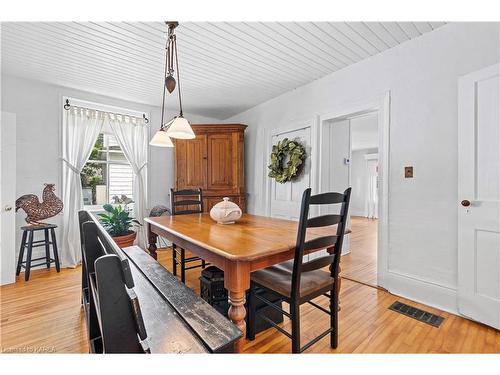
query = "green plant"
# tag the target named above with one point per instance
(118, 222)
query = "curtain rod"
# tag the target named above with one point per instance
(67, 106)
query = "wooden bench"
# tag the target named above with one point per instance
(134, 305)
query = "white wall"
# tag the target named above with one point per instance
(364, 132)
(421, 76)
(38, 107)
(359, 181)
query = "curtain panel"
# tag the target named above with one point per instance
(80, 131)
(132, 135)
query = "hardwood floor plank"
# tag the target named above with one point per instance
(46, 312)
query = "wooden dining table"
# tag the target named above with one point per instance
(250, 244)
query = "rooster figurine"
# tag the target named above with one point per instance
(50, 206)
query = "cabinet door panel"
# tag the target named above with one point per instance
(220, 162)
(191, 160)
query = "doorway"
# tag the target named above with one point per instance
(354, 153)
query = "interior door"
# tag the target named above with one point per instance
(479, 196)
(7, 198)
(286, 198)
(339, 169)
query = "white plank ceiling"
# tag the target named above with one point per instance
(225, 68)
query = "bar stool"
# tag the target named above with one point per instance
(30, 244)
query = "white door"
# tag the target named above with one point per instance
(286, 198)
(339, 168)
(479, 184)
(7, 198)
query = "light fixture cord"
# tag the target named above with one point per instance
(167, 47)
(178, 79)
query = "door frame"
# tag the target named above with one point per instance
(297, 124)
(380, 104)
(8, 254)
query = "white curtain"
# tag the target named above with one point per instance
(80, 131)
(132, 135)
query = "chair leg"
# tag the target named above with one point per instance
(21, 253)
(295, 313)
(56, 251)
(28, 257)
(203, 264)
(251, 313)
(334, 318)
(183, 265)
(47, 248)
(174, 259)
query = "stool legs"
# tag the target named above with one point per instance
(47, 248)
(21, 253)
(56, 251)
(28, 257)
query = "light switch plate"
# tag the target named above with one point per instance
(409, 172)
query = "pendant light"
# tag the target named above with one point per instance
(178, 127)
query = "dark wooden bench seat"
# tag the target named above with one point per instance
(213, 329)
(133, 304)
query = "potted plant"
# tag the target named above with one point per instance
(118, 224)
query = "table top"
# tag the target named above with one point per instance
(250, 238)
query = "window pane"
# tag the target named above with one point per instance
(111, 143)
(117, 156)
(93, 178)
(98, 151)
(120, 182)
(103, 180)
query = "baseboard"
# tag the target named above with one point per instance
(355, 212)
(428, 293)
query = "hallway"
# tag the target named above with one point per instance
(361, 263)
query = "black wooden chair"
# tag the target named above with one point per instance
(298, 282)
(185, 202)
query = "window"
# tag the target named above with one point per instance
(107, 176)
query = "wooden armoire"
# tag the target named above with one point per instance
(213, 161)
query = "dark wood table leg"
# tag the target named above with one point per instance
(237, 281)
(152, 237)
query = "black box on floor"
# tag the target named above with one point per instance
(212, 290)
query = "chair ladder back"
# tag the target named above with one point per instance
(333, 243)
(188, 198)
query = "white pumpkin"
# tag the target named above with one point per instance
(225, 212)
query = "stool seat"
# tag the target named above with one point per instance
(28, 243)
(38, 227)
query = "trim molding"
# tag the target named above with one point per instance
(428, 293)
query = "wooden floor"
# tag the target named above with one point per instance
(360, 264)
(45, 314)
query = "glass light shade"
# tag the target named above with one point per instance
(161, 139)
(180, 128)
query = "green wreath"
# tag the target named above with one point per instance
(296, 154)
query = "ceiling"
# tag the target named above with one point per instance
(225, 68)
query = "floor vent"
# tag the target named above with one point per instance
(420, 315)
